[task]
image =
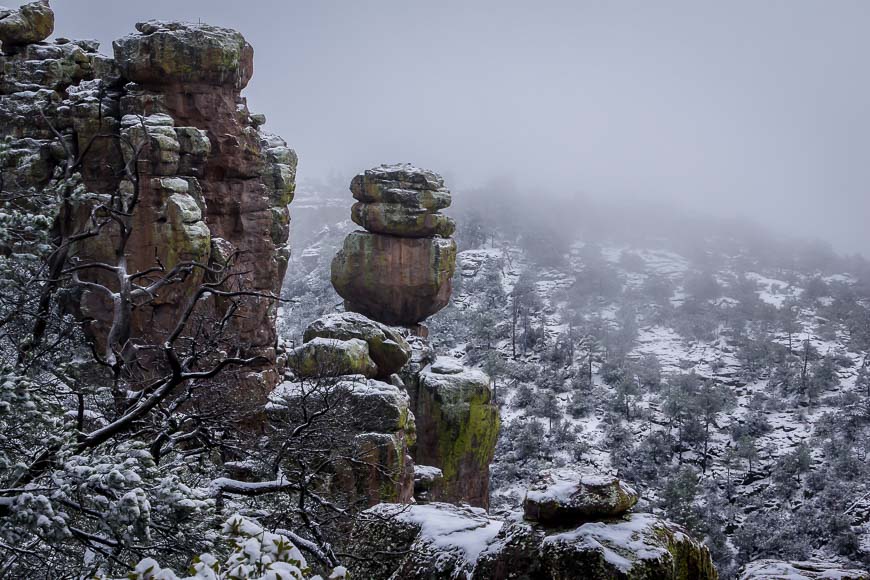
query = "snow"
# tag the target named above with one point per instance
(465, 529)
(621, 543)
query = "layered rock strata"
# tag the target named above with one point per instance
(399, 270)
(213, 186)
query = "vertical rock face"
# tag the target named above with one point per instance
(457, 425)
(213, 186)
(400, 270)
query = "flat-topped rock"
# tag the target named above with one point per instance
(392, 192)
(563, 497)
(174, 52)
(387, 348)
(398, 175)
(32, 23)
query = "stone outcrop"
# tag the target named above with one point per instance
(377, 417)
(399, 271)
(812, 570)
(445, 541)
(564, 497)
(32, 23)
(213, 186)
(458, 426)
(339, 359)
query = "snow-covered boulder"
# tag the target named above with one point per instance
(388, 348)
(446, 541)
(563, 497)
(436, 540)
(779, 570)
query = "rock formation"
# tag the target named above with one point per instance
(340, 356)
(212, 185)
(565, 496)
(377, 419)
(399, 271)
(445, 541)
(457, 425)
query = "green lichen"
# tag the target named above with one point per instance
(467, 432)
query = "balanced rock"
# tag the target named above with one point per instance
(440, 540)
(387, 348)
(564, 497)
(32, 23)
(427, 483)
(400, 270)
(394, 280)
(329, 357)
(458, 428)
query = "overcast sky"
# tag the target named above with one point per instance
(737, 108)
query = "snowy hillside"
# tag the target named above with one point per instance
(729, 387)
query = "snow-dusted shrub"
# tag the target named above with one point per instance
(255, 554)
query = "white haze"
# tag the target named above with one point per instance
(746, 108)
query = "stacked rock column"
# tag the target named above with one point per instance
(399, 271)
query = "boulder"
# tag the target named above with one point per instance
(564, 497)
(394, 280)
(386, 346)
(458, 427)
(398, 220)
(811, 570)
(440, 540)
(328, 357)
(32, 23)
(174, 52)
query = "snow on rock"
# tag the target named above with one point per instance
(566, 496)
(779, 570)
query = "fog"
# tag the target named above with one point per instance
(756, 109)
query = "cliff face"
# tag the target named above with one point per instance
(213, 187)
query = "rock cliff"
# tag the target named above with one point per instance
(165, 117)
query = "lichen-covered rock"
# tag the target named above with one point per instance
(564, 497)
(394, 280)
(458, 427)
(399, 220)
(810, 570)
(328, 357)
(175, 52)
(445, 541)
(388, 348)
(32, 23)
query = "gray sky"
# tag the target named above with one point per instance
(736, 108)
